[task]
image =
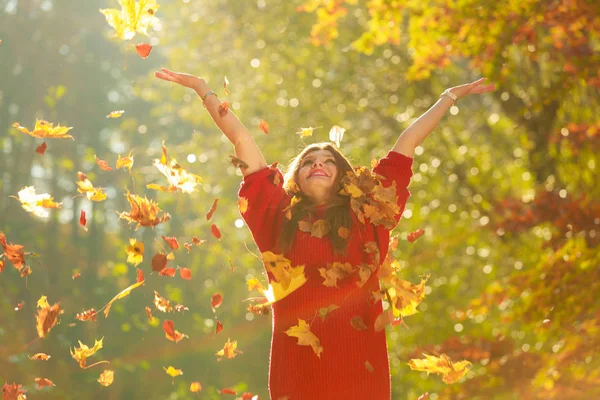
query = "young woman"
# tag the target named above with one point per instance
(350, 359)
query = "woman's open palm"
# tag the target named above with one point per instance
(186, 80)
(473, 88)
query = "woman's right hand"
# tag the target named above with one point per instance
(187, 80)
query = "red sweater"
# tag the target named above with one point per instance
(354, 363)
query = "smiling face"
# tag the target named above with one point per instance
(317, 173)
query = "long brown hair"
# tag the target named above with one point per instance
(338, 209)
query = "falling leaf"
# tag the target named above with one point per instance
(143, 49)
(286, 278)
(344, 233)
(195, 387)
(82, 353)
(264, 126)
(1, 265)
(212, 209)
(177, 177)
(223, 109)
(161, 303)
(415, 235)
(424, 396)
(13, 252)
(227, 391)
(171, 333)
(85, 186)
(135, 252)
(254, 284)
(41, 148)
(305, 336)
(229, 350)
(102, 164)
(172, 372)
(225, 86)
(75, 275)
(36, 203)
(44, 129)
(358, 323)
(336, 134)
(216, 300)
(238, 163)
(125, 162)
(159, 262)
(369, 366)
(87, 315)
(336, 271)
(124, 293)
(171, 242)
(304, 132)
(451, 371)
(20, 304)
(13, 391)
(181, 308)
(42, 302)
(140, 275)
(40, 356)
(325, 311)
(107, 377)
(83, 220)
(170, 272)
(219, 327)
(115, 114)
(43, 382)
(185, 273)
(149, 314)
(143, 211)
(133, 17)
(242, 204)
(46, 318)
(215, 231)
(320, 228)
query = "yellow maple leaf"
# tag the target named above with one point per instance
(83, 352)
(304, 132)
(229, 350)
(107, 377)
(143, 211)
(125, 162)
(172, 372)
(287, 278)
(43, 302)
(46, 130)
(178, 178)
(124, 293)
(36, 203)
(135, 252)
(451, 371)
(305, 336)
(115, 114)
(85, 186)
(134, 16)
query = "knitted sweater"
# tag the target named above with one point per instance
(354, 363)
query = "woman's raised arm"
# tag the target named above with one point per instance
(243, 142)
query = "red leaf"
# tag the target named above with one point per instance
(19, 306)
(75, 275)
(140, 275)
(41, 148)
(185, 273)
(170, 272)
(171, 241)
(219, 327)
(415, 235)
(216, 300)
(102, 164)
(264, 126)
(228, 391)
(212, 209)
(41, 382)
(215, 231)
(143, 49)
(223, 109)
(1, 265)
(159, 262)
(83, 220)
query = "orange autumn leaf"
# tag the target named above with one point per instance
(238, 162)
(415, 235)
(229, 350)
(1, 265)
(107, 377)
(171, 333)
(85, 186)
(41, 148)
(43, 382)
(159, 262)
(161, 303)
(223, 109)
(87, 315)
(216, 300)
(82, 353)
(102, 164)
(45, 129)
(344, 233)
(19, 304)
(242, 204)
(195, 387)
(149, 314)
(13, 391)
(143, 49)
(170, 272)
(334, 272)
(181, 308)
(305, 336)
(36, 203)
(450, 371)
(219, 327)
(13, 252)
(185, 273)
(264, 126)
(227, 391)
(83, 220)
(177, 177)
(125, 162)
(172, 372)
(215, 231)
(124, 293)
(40, 356)
(143, 211)
(140, 275)
(135, 252)
(75, 275)
(46, 319)
(212, 209)
(225, 86)
(171, 241)
(115, 114)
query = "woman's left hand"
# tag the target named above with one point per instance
(472, 88)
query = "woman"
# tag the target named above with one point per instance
(309, 219)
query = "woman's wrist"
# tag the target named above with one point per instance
(201, 88)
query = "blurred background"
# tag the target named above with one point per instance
(506, 187)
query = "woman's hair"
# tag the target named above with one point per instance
(338, 209)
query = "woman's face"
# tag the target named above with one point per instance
(317, 174)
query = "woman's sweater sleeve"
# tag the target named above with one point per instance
(396, 167)
(266, 199)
